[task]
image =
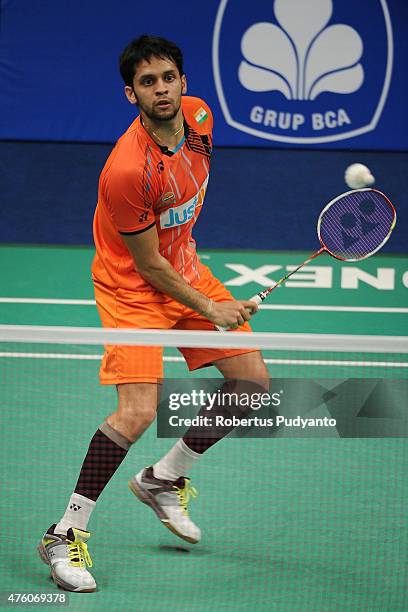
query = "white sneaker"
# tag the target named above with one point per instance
(169, 501)
(68, 557)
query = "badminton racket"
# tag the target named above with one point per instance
(352, 227)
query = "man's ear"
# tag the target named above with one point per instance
(183, 84)
(130, 94)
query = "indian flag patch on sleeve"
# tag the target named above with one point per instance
(201, 115)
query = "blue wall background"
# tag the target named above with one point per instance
(59, 75)
(256, 199)
(59, 84)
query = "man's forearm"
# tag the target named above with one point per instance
(166, 279)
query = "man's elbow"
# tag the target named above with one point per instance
(149, 269)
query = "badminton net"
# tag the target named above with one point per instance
(271, 497)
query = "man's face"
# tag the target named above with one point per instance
(157, 88)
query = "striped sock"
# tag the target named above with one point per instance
(106, 452)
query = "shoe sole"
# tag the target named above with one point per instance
(147, 498)
(60, 583)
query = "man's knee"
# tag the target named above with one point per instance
(259, 372)
(247, 366)
(137, 406)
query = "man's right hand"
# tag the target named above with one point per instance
(231, 314)
(159, 272)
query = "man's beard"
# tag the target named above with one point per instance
(151, 114)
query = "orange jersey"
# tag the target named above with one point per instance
(143, 184)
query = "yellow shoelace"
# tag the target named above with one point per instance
(78, 554)
(184, 495)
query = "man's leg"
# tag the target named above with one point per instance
(248, 367)
(63, 547)
(137, 403)
(174, 466)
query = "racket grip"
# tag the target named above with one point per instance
(256, 298)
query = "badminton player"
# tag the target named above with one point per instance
(147, 274)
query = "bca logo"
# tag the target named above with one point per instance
(303, 71)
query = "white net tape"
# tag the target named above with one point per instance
(191, 339)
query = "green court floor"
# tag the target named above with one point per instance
(288, 524)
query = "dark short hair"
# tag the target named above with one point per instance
(143, 48)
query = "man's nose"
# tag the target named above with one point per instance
(161, 87)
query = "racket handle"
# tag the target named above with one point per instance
(221, 329)
(258, 299)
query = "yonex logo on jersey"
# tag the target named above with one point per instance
(75, 507)
(179, 215)
(303, 71)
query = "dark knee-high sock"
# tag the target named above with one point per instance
(106, 452)
(200, 439)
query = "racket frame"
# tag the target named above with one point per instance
(260, 297)
(319, 221)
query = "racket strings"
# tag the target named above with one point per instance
(356, 225)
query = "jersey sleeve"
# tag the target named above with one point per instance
(210, 116)
(198, 114)
(128, 201)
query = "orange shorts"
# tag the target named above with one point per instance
(149, 310)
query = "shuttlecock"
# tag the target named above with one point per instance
(357, 176)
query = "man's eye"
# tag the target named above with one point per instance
(147, 82)
(170, 77)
